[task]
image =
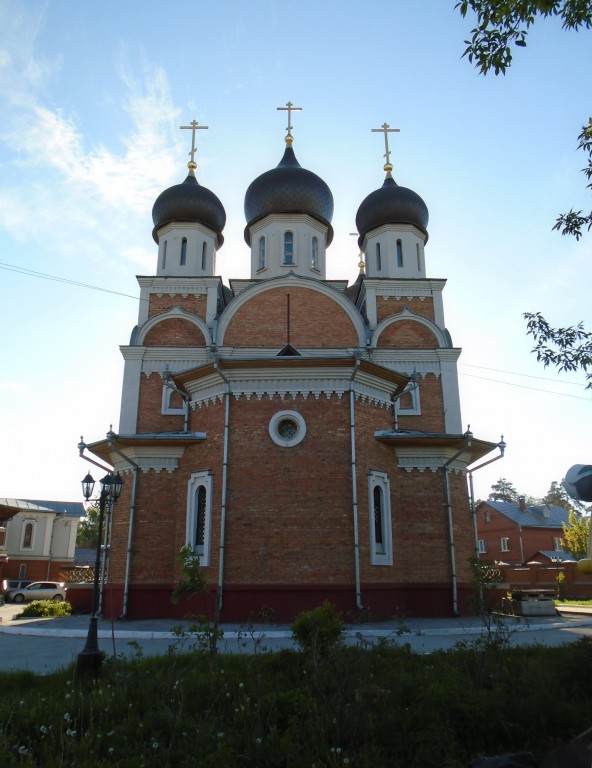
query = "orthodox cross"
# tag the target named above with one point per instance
(386, 129)
(193, 127)
(289, 108)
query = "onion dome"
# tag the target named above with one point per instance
(189, 202)
(391, 204)
(287, 189)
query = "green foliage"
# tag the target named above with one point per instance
(45, 608)
(193, 581)
(365, 707)
(503, 490)
(575, 535)
(501, 23)
(320, 630)
(87, 534)
(568, 349)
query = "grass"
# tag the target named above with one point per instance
(355, 706)
(574, 602)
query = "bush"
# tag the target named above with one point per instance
(45, 608)
(318, 630)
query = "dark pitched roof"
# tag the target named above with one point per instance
(534, 516)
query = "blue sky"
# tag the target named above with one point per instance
(92, 96)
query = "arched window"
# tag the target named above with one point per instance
(183, 251)
(164, 250)
(399, 253)
(378, 258)
(418, 257)
(314, 255)
(199, 512)
(28, 531)
(261, 253)
(288, 247)
(381, 539)
(204, 253)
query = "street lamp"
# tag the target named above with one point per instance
(90, 658)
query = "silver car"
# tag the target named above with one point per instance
(38, 590)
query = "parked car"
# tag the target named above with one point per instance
(38, 590)
(13, 584)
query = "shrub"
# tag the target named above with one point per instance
(45, 608)
(318, 630)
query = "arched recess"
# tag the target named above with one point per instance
(317, 314)
(426, 331)
(176, 314)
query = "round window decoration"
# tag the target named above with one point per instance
(287, 428)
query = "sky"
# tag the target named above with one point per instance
(92, 95)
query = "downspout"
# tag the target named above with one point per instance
(352, 428)
(218, 607)
(130, 537)
(468, 436)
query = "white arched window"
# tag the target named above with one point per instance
(378, 258)
(204, 255)
(288, 247)
(261, 264)
(314, 254)
(183, 259)
(199, 514)
(164, 250)
(379, 504)
(399, 253)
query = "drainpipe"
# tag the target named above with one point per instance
(446, 467)
(352, 429)
(218, 607)
(128, 558)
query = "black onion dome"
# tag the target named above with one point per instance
(391, 204)
(189, 202)
(289, 188)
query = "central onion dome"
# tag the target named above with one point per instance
(391, 204)
(289, 188)
(189, 202)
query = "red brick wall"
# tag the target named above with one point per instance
(162, 303)
(315, 321)
(407, 334)
(432, 407)
(174, 332)
(150, 416)
(386, 306)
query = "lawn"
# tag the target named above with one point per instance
(325, 706)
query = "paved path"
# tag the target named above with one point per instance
(44, 645)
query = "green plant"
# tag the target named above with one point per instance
(319, 630)
(45, 608)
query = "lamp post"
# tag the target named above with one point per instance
(90, 658)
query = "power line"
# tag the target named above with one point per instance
(45, 276)
(525, 375)
(523, 386)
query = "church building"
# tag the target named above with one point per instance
(301, 435)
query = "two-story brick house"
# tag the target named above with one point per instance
(514, 532)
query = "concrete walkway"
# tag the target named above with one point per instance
(43, 645)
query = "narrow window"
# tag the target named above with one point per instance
(482, 547)
(314, 256)
(378, 258)
(505, 542)
(558, 544)
(204, 253)
(261, 253)
(288, 248)
(164, 250)
(199, 513)
(399, 253)
(418, 257)
(22, 571)
(381, 540)
(183, 251)
(378, 520)
(28, 536)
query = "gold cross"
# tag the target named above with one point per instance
(290, 108)
(193, 127)
(386, 129)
